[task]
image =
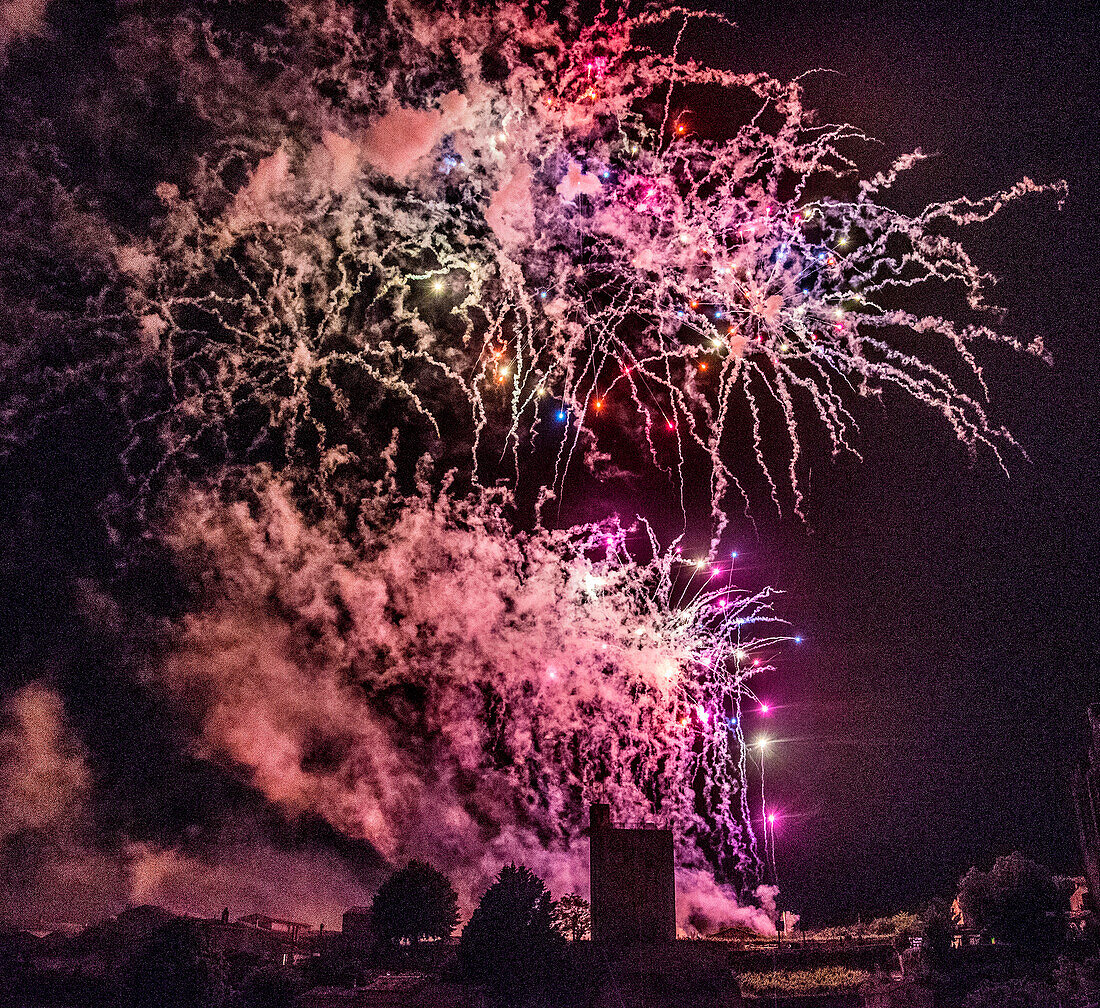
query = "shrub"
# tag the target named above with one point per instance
(1017, 901)
(1078, 982)
(1012, 994)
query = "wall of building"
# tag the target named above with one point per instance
(1086, 796)
(633, 882)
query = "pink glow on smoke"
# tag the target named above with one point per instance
(314, 647)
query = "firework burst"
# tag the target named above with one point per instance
(507, 235)
(472, 688)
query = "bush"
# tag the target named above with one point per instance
(175, 968)
(1078, 983)
(267, 986)
(1012, 994)
(1017, 901)
(938, 932)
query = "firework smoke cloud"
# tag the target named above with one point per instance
(463, 690)
(384, 264)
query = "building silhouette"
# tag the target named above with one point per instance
(281, 941)
(1086, 799)
(633, 882)
(357, 935)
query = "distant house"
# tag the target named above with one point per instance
(966, 929)
(357, 929)
(1078, 900)
(281, 941)
(1080, 903)
(287, 927)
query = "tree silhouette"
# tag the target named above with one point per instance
(176, 967)
(1017, 901)
(413, 904)
(510, 942)
(937, 934)
(573, 917)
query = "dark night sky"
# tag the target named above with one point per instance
(950, 613)
(930, 718)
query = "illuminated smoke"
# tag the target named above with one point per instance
(55, 868)
(504, 236)
(19, 20)
(453, 689)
